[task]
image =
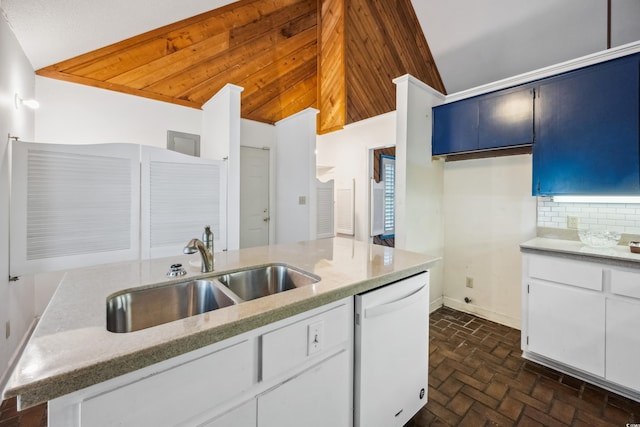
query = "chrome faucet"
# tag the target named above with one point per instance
(196, 245)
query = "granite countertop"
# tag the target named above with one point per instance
(618, 255)
(71, 348)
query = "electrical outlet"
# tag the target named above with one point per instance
(7, 328)
(572, 222)
(469, 282)
(302, 200)
(315, 337)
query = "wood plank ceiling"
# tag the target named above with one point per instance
(335, 55)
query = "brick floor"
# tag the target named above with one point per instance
(477, 377)
(33, 417)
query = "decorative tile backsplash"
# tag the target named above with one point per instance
(621, 217)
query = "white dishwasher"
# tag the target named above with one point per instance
(391, 352)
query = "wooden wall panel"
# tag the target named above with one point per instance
(339, 56)
(269, 47)
(383, 41)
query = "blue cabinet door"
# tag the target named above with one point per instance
(506, 119)
(455, 127)
(587, 131)
(496, 120)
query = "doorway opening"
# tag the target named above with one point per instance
(383, 169)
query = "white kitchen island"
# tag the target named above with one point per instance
(250, 361)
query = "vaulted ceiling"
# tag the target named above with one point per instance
(271, 49)
(473, 43)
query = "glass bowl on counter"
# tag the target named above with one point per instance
(597, 238)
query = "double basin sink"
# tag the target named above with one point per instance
(133, 310)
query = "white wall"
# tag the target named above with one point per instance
(16, 298)
(488, 211)
(474, 43)
(76, 114)
(295, 177)
(347, 151)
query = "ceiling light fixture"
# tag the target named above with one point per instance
(31, 103)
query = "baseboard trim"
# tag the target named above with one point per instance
(16, 355)
(476, 310)
(434, 305)
(585, 376)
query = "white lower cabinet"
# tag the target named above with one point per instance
(171, 396)
(240, 416)
(318, 397)
(293, 372)
(623, 342)
(582, 318)
(567, 324)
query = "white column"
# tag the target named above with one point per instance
(295, 177)
(419, 179)
(221, 139)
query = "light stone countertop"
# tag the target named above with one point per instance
(71, 348)
(619, 255)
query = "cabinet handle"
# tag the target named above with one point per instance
(394, 305)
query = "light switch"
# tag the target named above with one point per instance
(315, 337)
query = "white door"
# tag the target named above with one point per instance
(254, 197)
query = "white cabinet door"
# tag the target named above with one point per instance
(319, 397)
(241, 416)
(623, 343)
(567, 324)
(169, 397)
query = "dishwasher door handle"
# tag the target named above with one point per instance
(379, 310)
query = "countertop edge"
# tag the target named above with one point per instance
(577, 251)
(41, 391)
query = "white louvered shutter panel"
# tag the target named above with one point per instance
(324, 217)
(180, 195)
(73, 205)
(345, 208)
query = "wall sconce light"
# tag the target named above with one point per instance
(31, 103)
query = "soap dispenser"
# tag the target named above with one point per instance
(207, 238)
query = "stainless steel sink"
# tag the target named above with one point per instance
(137, 309)
(265, 280)
(144, 308)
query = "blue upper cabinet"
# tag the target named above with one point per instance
(455, 127)
(587, 131)
(495, 120)
(506, 119)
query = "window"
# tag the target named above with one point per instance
(388, 175)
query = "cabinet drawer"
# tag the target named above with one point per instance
(566, 271)
(288, 347)
(167, 397)
(626, 283)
